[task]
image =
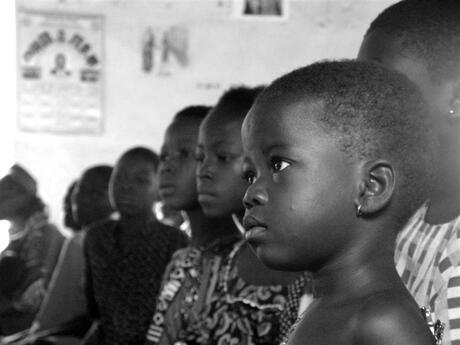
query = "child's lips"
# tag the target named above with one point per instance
(254, 228)
(167, 189)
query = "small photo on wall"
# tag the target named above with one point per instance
(260, 9)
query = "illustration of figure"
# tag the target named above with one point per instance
(59, 69)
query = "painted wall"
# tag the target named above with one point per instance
(223, 51)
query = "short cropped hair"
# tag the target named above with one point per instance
(142, 153)
(100, 174)
(236, 102)
(193, 112)
(428, 30)
(372, 112)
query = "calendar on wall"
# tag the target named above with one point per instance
(60, 72)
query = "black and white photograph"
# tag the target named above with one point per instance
(230, 172)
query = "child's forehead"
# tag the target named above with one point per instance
(221, 126)
(289, 112)
(134, 162)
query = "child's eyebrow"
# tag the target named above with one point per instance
(276, 146)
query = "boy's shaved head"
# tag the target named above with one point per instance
(372, 112)
(98, 176)
(143, 153)
(235, 103)
(194, 112)
(428, 30)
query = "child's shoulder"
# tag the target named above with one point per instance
(387, 319)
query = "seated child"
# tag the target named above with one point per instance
(68, 219)
(337, 155)
(63, 310)
(247, 296)
(34, 245)
(90, 204)
(126, 258)
(421, 39)
(211, 240)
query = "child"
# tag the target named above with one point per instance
(64, 308)
(68, 220)
(337, 155)
(127, 258)
(248, 296)
(211, 240)
(34, 244)
(421, 39)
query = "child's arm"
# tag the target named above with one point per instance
(389, 323)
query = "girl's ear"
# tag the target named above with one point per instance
(376, 187)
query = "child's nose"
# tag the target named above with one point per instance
(166, 167)
(204, 170)
(255, 196)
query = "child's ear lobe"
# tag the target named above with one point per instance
(376, 188)
(454, 106)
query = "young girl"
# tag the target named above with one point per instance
(421, 39)
(248, 296)
(337, 155)
(127, 258)
(187, 283)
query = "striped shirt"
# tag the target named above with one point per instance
(428, 260)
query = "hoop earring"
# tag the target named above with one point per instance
(454, 111)
(359, 212)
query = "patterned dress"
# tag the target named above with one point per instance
(187, 289)
(224, 309)
(428, 260)
(123, 283)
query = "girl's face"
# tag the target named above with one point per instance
(12, 198)
(178, 165)
(300, 205)
(220, 181)
(133, 186)
(384, 49)
(90, 200)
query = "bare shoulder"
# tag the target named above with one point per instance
(391, 320)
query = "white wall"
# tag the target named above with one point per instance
(223, 51)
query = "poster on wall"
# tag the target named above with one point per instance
(165, 49)
(60, 81)
(276, 10)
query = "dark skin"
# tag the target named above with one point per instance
(16, 204)
(301, 215)
(441, 97)
(133, 189)
(221, 188)
(177, 182)
(90, 199)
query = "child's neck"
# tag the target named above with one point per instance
(445, 196)
(205, 230)
(361, 272)
(135, 223)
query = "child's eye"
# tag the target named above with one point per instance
(224, 157)
(199, 156)
(249, 176)
(183, 153)
(279, 164)
(164, 157)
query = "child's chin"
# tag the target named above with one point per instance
(212, 212)
(271, 260)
